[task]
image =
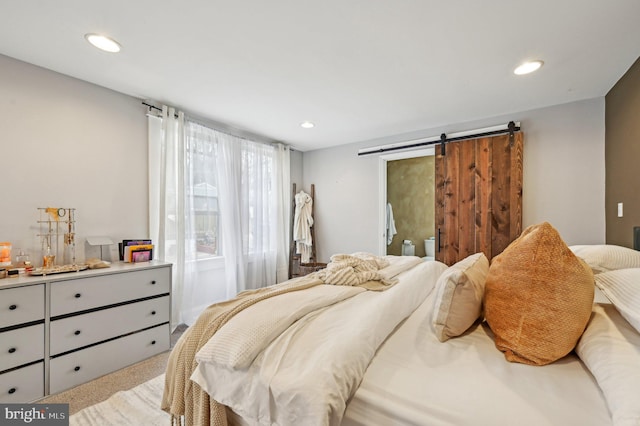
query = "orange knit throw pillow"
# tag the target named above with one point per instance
(538, 297)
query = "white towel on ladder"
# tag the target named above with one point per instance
(391, 224)
(302, 223)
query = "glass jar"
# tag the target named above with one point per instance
(5, 254)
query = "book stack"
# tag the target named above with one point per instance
(136, 250)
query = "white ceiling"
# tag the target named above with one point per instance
(359, 69)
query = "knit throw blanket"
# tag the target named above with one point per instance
(183, 398)
(355, 269)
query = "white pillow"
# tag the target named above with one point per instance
(622, 288)
(459, 293)
(610, 348)
(607, 257)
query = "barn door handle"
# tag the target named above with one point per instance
(439, 238)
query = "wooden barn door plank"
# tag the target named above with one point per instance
(467, 199)
(451, 203)
(483, 196)
(439, 204)
(500, 195)
(516, 186)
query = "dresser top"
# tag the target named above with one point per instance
(115, 268)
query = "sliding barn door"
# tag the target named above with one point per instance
(478, 199)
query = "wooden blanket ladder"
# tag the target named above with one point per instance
(296, 267)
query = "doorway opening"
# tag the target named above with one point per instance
(409, 187)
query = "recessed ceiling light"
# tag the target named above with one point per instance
(307, 124)
(528, 67)
(103, 43)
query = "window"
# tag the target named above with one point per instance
(203, 193)
(214, 211)
(257, 183)
(206, 216)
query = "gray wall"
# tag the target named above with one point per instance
(346, 202)
(296, 169)
(68, 143)
(622, 157)
(564, 175)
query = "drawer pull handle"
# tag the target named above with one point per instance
(12, 390)
(153, 282)
(153, 342)
(77, 368)
(153, 312)
(12, 350)
(77, 295)
(77, 332)
(13, 307)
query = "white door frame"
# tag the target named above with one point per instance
(382, 188)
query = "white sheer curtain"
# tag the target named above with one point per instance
(171, 225)
(249, 182)
(251, 179)
(283, 215)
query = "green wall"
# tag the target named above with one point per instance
(410, 190)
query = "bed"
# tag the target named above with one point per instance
(376, 352)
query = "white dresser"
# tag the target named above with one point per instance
(62, 330)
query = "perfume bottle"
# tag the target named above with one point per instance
(49, 259)
(23, 262)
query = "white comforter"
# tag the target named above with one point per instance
(416, 380)
(308, 372)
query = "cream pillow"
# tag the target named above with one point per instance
(538, 297)
(622, 288)
(607, 257)
(610, 348)
(459, 291)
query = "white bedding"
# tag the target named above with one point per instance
(416, 380)
(610, 348)
(306, 375)
(357, 363)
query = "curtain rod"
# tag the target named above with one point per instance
(510, 128)
(152, 106)
(156, 108)
(220, 127)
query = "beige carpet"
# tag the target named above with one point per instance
(139, 406)
(100, 389)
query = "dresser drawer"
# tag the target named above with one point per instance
(21, 346)
(82, 330)
(92, 292)
(22, 385)
(21, 304)
(87, 364)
